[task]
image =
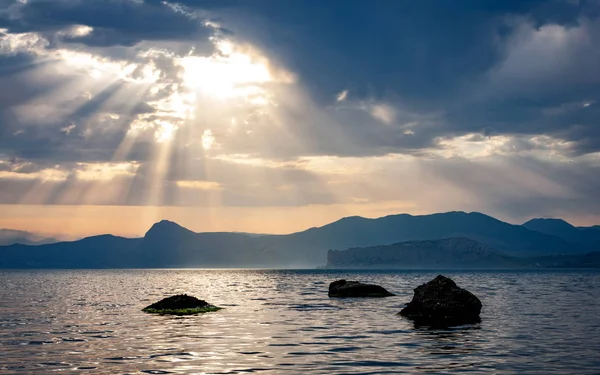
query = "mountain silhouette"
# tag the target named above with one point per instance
(587, 237)
(508, 238)
(104, 251)
(12, 236)
(167, 244)
(455, 252)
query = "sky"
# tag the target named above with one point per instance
(275, 116)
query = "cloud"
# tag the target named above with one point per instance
(503, 56)
(341, 96)
(113, 22)
(200, 185)
(280, 103)
(383, 113)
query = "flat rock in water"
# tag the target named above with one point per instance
(181, 304)
(343, 288)
(441, 303)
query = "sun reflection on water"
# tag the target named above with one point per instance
(278, 322)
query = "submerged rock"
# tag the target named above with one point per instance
(181, 304)
(441, 303)
(343, 288)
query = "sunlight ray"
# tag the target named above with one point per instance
(160, 165)
(40, 192)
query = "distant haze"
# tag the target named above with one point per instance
(69, 222)
(451, 239)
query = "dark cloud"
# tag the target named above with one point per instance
(115, 22)
(420, 75)
(422, 50)
(469, 62)
(482, 64)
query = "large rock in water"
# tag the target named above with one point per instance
(181, 304)
(441, 303)
(343, 288)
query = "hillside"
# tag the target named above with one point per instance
(357, 231)
(12, 236)
(586, 237)
(168, 244)
(105, 251)
(446, 253)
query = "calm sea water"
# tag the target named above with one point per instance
(282, 322)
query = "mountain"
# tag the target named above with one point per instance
(12, 236)
(168, 244)
(586, 237)
(557, 227)
(453, 252)
(508, 238)
(104, 251)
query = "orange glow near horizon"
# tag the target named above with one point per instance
(70, 222)
(132, 221)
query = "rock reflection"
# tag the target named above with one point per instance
(453, 349)
(448, 341)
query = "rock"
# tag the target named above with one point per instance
(343, 288)
(440, 303)
(181, 304)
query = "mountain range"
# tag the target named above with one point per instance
(454, 252)
(11, 236)
(585, 236)
(168, 244)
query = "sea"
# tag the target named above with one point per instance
(282, 322)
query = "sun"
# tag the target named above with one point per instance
(229, 73)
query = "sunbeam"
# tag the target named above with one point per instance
(241, 141)
(210, 112)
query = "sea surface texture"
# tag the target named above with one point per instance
(282, 322)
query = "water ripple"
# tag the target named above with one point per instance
(282, 322)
